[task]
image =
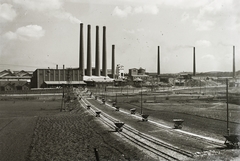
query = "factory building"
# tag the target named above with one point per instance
(46, 78)
(120, 72)
(137, 74)
(15, 80)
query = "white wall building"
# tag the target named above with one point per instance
(120, 72)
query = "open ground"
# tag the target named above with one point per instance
(35, 129)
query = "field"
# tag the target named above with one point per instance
(33, 128)
(201, 115)
(36, 130)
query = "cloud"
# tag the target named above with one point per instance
(10, 35)
(53, 8)
(151, 9)
(122, 13)
(215, 6)
(203, 43)
(66, 16)
(39, 5)
(184, 3)
(216, 12)
(29, 32)
(203, 25)
(7, 13)
(147, 9)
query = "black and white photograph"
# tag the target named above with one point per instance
(119, 80)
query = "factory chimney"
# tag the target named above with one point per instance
(113, 61)
(81, 52)
(89, 59)
(234, 74)
(104, 54)
(158, 61)
(97, 68)
(194, 62)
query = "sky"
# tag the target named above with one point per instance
(44, 33)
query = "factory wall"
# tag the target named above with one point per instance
(42, 75)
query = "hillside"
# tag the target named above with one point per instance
(218, 74)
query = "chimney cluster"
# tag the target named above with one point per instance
(97, 57)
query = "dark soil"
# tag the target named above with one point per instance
(36, 130)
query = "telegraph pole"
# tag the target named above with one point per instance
(141, 100)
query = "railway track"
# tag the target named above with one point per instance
(206, 141)
(148, 143)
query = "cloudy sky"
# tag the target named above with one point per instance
(43, 33)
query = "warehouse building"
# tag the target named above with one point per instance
(46, 78)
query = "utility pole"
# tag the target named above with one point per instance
(141, 99)
(62, 99)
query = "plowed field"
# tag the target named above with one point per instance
(36, 130)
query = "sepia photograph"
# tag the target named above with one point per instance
(119, 80)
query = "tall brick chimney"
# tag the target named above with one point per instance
(158, 61)
(104, 54)
(89, 59)
(97, 65)
(194, 62)
(81, 51)
(113, 61)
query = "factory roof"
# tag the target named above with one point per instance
(64, 82)
(97, 79)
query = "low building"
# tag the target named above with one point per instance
(135, 74)
(8, 75)
(98, 81)
(14, 85)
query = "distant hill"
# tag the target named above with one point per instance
(218, 74)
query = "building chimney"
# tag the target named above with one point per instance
(194, 62)
(158, 61)
(113, 61)
(97, 66)
(89, 59)
(234, 74)
(81, 51)
(104, 54)
(63, 66)
(56, 66)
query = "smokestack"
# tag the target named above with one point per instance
(89, 59)
(104, 55)
(194, 62)
(63, 66)
(234, 62)
(81, 51)
(158, 61)
(56, 66)
(113, 61)
(97, 66)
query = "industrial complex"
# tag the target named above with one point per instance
(94, 76)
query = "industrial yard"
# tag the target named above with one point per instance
(128, 80)
(73, 134)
